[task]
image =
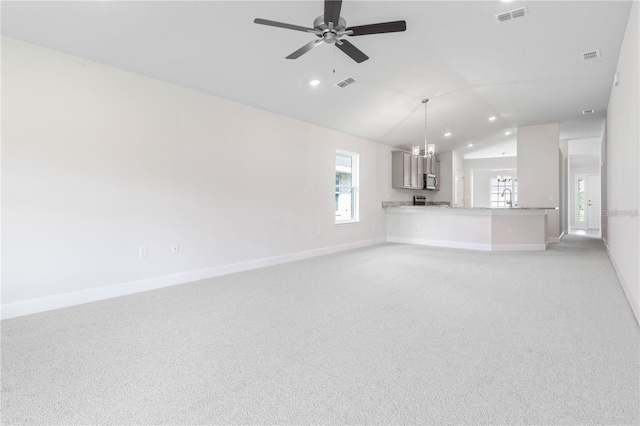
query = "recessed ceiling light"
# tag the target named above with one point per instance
(447, 134)
(492, 118)
(470, 145)
(507, 133)
(314, 82)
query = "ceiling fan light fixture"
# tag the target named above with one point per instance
(331, 27)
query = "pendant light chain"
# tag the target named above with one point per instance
(415, 149)
(424, 101)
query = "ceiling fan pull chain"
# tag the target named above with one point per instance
(334, 59)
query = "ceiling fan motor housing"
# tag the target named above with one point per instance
(330, 35)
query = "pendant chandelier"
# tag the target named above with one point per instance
(429, 148)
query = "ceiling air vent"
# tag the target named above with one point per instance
(512, 14)
(590, 55)
(344, 83)
(588, 111)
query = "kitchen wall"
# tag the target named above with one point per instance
(97, 162)
(622, 225)
(477, 175)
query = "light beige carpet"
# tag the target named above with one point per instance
(390, 334)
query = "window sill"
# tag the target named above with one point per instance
(347, 222)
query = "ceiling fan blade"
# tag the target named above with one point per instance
(304, 49)
(384, 27)
(332, 11)
(283, 25)
(353, 52)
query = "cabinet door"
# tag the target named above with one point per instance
(414, 172)
(406, 170)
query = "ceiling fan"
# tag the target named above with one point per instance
(330, 27)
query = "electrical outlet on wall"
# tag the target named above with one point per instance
(175, 248)
(142, 252)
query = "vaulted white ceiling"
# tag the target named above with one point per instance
(525, 71)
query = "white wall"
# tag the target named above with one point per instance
(457, 163)
(98, 161)
(538, 159)
(564, 187)
(622, 164)
(476, 177)
(539, 172)
(603, 180)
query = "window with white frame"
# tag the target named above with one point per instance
(346, 194)
(504, 192)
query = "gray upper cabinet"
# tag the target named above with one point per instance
(431, 165)
(406, 170)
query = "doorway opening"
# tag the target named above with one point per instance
(583, 186)
(586, 202)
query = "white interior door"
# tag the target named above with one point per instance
(593, 202)
(459, 190)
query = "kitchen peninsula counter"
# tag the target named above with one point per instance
(475, 228)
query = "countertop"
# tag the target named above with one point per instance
(445, 205)
(410, 204)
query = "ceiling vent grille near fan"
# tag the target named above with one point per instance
(512, 14)
(586, 56)
(346, 82)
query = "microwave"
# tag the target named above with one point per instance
(430, 181)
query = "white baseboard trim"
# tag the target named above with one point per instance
(468, 246)
(49, 303)
(519, 247)
(440, 243)
(625, 286)
(553, 240)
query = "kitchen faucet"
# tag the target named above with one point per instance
(509, 203)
